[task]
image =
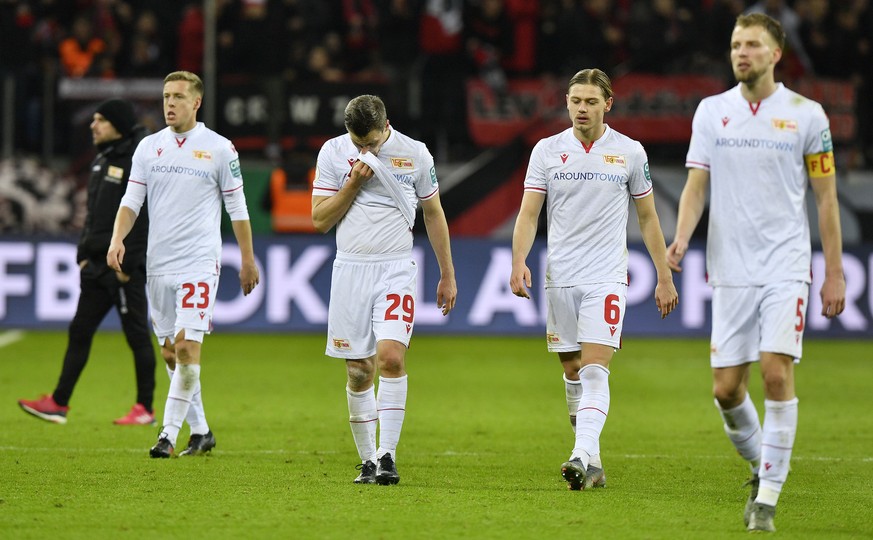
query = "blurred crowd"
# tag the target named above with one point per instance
(440, 42)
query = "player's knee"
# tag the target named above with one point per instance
(391, 365)
(360, 375)
(728, 396)
(775, 382)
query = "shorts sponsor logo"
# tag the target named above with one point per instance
(234, 168)
(402, 163)
(612, 330)
(342, 344)
(614, 160)
(784, 125)
(202, 154)
(552, 338)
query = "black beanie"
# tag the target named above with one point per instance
(119, 113)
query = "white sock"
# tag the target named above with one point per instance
(743, 428)
(595, 460)
(573, 392)
(392, 410)
(182, 387)
(196, 416)
(593, 409)
(780, 426)
(362, 419)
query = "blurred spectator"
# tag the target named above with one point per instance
(489, 41)
(360, 29)
(80, 53)
(661, 38)
(441, 31)
(148, 54)
(583, 34)
(190, 38)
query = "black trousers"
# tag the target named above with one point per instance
(97, 297)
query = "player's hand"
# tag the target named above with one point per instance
(249, 277)
(447, 293)
(675, 252)
(666, 297)
(122, 277)
(115, 255)
(360, 174)
(519, 281)
(833, 296)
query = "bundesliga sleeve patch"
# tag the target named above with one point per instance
(820, 165)
(234, 168)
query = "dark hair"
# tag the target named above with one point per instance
(595, 77)
(364, 114)
(768, 23)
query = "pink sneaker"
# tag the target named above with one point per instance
(45, 408)
(138, 416)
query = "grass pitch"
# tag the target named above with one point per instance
(486, 432)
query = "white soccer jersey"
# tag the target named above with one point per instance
(758, 228)
(185, 176)
(587, 196)
(374, 225)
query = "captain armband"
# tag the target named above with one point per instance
(820, 165)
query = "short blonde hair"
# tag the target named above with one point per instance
(196, 84)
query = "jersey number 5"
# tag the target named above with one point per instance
(191, 290)
(408, 308)
(799, 326)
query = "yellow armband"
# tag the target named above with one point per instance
(820, 165)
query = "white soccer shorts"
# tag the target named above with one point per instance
(370, 301)
(182, 302)
(748, 320)
(585, 314)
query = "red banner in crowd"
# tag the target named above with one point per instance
(648, 108)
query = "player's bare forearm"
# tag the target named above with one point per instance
(666, 297)
(327, 211)
(249, 276)
(438, 234)
(124, 220)
(523, 236)
(833, 291)
(691, 205)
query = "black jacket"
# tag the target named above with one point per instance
(110, 172)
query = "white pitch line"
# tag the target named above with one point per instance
(447, 453)
(10, 337)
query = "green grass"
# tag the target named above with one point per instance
(485, 435)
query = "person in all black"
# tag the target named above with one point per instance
(115, 134)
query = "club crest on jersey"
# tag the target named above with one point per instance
(342, 344)
(402, 163)
(564, 157)
(202, 154)
(614, 160)
(784, 125)
(115, 172)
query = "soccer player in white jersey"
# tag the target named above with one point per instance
(588, 173)
(372, 296)
(185, 170)
(758, 143)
